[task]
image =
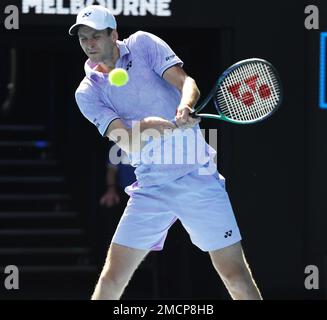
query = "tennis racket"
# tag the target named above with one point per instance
(247, 92)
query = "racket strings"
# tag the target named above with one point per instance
(240, 77)
(233, 107)
(229, 106)
(237, 108)
(258, 107)
(269, 79)
(257, 112)
(257, 100)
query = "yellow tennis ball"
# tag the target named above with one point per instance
(118, 77)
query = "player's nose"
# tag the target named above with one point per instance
(90, 43)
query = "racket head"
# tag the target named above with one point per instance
(247, 92)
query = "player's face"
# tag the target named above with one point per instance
(97, 45)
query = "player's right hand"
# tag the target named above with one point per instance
(183, 118)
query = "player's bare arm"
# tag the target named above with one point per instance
(190, 95)
(130, 140)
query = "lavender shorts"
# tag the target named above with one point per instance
(200, 202)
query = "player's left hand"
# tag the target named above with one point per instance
(110, 198)
(183, 118)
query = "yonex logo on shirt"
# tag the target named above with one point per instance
(129, 65)
(170, 57)
(95, 121)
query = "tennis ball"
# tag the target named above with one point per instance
(118, 77)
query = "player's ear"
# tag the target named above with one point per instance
(114, 35)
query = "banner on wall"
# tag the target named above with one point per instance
(161, 8)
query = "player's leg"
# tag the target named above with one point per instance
(233, 269)
(143, 227)
(211, 224)
(119, 267)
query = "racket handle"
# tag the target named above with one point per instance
(193, 115)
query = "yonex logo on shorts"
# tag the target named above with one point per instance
(228, 234)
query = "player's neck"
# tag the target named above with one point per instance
(107, 65)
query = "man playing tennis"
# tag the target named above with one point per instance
(158, 90)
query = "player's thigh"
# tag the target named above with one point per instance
(230, 261)
(207, 214)
(146, 219)
(122, 261)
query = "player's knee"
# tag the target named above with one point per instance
(117, 279)
(236, 274)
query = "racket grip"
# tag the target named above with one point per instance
(193, 115)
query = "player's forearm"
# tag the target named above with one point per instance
(129, 140)
(111, 177)
(190, 93)
(148, 127)
(133, 139)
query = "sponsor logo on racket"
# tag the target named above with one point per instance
(248, 97)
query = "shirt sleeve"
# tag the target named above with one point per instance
(89, 101)
(156, 52)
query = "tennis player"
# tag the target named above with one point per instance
(158, 92)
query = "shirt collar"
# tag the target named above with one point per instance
(123, 49)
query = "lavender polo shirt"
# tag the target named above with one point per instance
(145, 57)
